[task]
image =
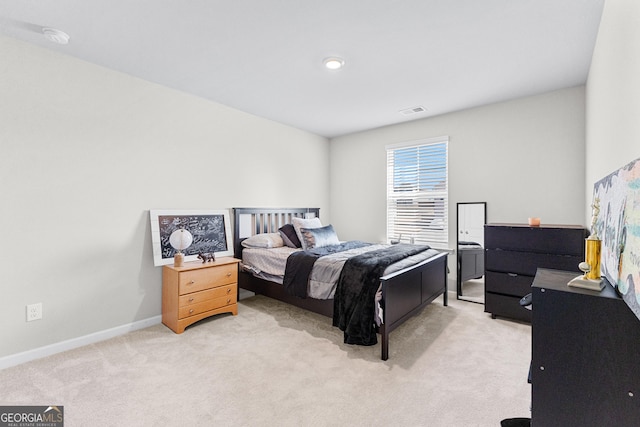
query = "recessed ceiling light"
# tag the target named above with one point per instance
(334, 63)
(55, 36)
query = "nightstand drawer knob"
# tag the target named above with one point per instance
(190, 299)
(191, 311)
(192, 282)
(228, 290)
(228, 274)
(229, 301)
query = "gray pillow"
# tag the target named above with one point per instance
(299, 223)
(318, 237)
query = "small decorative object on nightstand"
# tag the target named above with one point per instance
(180, 239)
(207, 256)
(195, 291)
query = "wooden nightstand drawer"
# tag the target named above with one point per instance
(196, 291)
(198, 297)
(193, 309)
(197, 280)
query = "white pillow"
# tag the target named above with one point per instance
(299, 223)
(266, 240)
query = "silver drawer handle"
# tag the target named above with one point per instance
(512, 274)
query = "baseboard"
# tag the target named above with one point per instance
(59, 347)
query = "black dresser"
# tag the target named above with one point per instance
(513, 253)
(585, 347)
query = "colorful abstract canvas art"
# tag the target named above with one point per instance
(618, 226)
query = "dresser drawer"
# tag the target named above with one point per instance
(198, 297)
(566, 241)
(527, 263)
(516, 285)
(205, 278)
(507, 306)
(193, 309)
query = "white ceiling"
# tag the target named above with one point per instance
(265, 57)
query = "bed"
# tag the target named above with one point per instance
(401, 293)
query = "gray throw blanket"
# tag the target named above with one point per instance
(354, 300)
(299, 266)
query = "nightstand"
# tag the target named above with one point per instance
(198, 290)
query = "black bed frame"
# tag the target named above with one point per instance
(404, 293)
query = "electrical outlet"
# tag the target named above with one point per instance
(34, 312)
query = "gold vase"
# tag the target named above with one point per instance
(592, 250)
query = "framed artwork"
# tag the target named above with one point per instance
(618, 226)
(211, 231)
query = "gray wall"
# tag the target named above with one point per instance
(524, 158)
(613, 94)
(86, 152)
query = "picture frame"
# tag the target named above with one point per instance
(211, 231)
(618, 226)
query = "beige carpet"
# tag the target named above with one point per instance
(473, 290)
(276, 365)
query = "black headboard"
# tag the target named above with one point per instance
(251, 221)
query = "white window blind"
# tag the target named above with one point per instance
(417, 191)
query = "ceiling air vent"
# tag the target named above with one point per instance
(414, 110)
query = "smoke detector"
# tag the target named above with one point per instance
(55, 36)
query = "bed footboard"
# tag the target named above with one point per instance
(407, 292)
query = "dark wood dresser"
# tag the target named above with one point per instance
(585, 347)
(513, 253)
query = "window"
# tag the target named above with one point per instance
(417, 191)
